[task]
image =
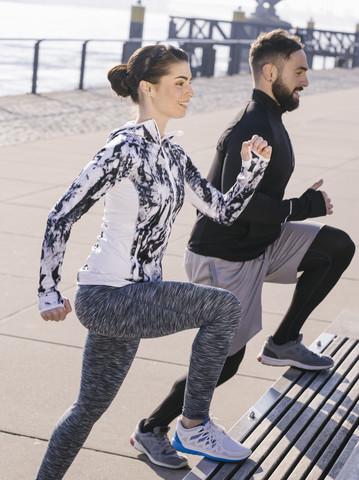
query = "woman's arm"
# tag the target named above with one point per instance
(92, 183)
(225, 208)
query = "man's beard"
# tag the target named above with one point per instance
(284, 97)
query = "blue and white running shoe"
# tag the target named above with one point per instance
(209, 440)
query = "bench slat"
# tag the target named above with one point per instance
(333, 454)
(303, 421)
(269, 440)
(304, 441)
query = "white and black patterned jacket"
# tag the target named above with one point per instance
(143, 179)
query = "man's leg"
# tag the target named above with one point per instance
(324, 260)
(171, 407)
(324, 263)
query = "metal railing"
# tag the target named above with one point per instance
(196, 40)
(82, 52)
(77, 62)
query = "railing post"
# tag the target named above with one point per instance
(82, 68)
(35, 66)
(208, 61)
(172, 30)
(355, 62)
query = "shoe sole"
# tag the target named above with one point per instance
(275, 362)
(138, 446)
(178, 446)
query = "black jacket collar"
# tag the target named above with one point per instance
(264, 99)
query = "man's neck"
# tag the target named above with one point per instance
(265, 88)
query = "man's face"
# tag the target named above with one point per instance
(291, 79)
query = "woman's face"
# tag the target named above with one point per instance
(171, 96)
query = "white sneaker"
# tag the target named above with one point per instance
(209, 440)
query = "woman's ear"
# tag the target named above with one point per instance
(269, 72)
(145, 88)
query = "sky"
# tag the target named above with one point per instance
(327, 14)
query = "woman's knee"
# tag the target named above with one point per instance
(228, 306)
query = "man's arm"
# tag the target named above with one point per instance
(263, 208)
(267, 210)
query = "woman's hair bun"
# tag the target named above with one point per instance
(118, 79)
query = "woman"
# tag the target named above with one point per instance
(121, 296)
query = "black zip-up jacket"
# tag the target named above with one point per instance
(260, 223)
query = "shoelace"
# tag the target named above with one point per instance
(214, 431)
(163, 442)
(310, 352)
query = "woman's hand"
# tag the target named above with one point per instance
(57, 314)
(257, 145)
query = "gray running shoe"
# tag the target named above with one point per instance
(157, 447)
(293, 354)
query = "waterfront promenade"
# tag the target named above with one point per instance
(44, 142)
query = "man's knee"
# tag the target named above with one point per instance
(345, 247)
(336, 243)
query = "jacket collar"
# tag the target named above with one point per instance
(264, 99)
(147, 130)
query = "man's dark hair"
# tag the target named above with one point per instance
(272, 47)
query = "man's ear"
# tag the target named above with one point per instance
(270, 72)
(145, 88)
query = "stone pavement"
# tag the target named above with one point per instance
(40, 362)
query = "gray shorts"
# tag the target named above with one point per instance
(278, 264)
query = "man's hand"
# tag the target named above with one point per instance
(57, 314)
(328, 204)
(258, 145)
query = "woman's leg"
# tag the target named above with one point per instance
(106, 362)
(326, 259)
(154, 309)
(172, 405)
(124, 315)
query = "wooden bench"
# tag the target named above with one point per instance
(306, 426)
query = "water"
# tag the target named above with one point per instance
(60, 61)
(88, 19)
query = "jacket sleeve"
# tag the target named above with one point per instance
(267, 210)
(92, 183)
(262, 208)
(224, 208)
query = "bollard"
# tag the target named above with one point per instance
(235, 51)
(239, 15)
(309, 43)
(136, 31)
(310, 24)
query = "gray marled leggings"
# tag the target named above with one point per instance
(117, 318)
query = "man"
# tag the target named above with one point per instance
(269, 242)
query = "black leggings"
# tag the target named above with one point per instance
(326, 259)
